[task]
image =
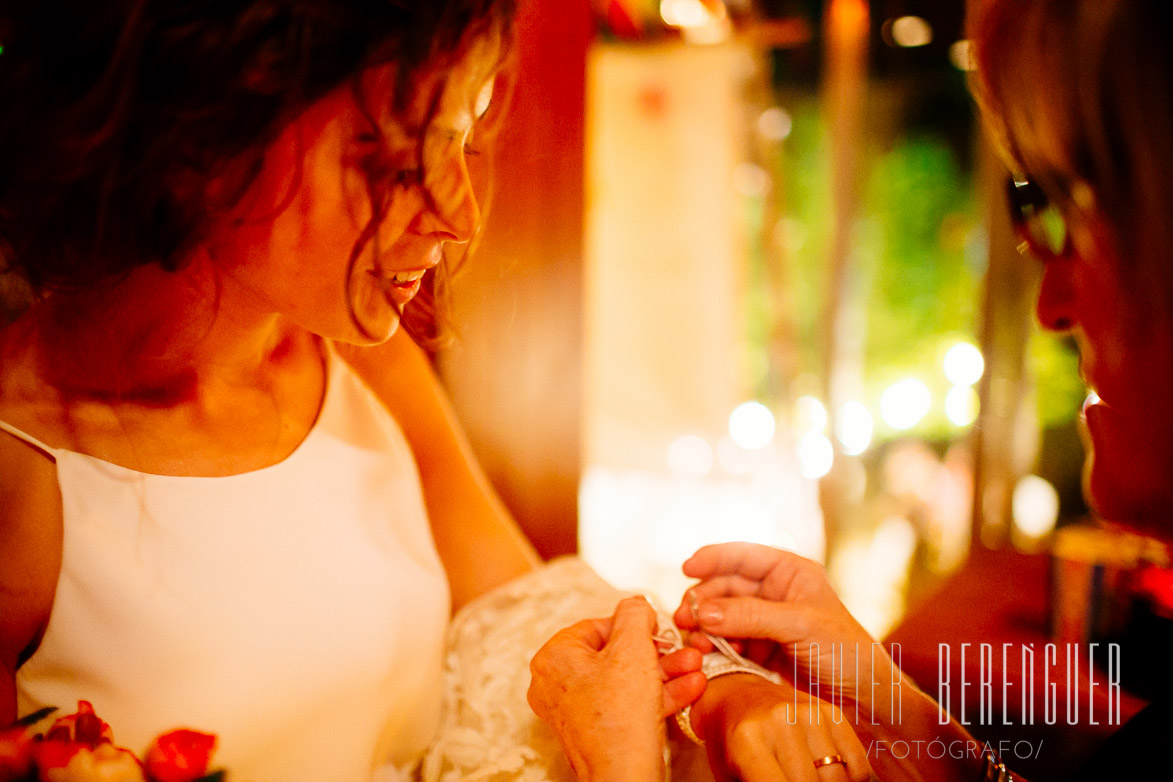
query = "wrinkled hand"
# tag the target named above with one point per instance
(605, 691)
(755, 730)
(802, 629)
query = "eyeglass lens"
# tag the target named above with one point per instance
(1040, 222)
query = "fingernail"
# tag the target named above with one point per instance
(710, 614)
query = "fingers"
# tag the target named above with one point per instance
(752, 761)
(718, 586)
(822, 739)
(790, 742)
(599, 686)
(760, 650)
(634, 621)
(831, 739)
(820, 745)
(848, 745)
(830, 736)
(751, 560)
(681, 661)
(590, 633)
(681, 691)
(751, 617)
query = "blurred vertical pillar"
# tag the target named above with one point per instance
(665, 325)
(665, 264)
(1006, 435)
(515, 372)
(846, 28)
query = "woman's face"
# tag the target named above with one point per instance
(1126, 358)
(287, 246)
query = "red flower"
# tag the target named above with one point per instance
(80, 733)
(83, 726)
(105, 763)
(54, 753)
(180, 756)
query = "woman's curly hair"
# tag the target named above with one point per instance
(116, 115)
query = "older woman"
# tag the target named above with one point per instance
(1078, 94)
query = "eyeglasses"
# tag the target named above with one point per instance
(1040, 225)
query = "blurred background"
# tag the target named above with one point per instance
(748, 275)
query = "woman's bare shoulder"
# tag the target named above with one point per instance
(30, 546)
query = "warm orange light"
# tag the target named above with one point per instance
(848, 17)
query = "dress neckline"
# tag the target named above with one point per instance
(330, 363)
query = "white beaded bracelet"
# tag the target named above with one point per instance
(725, 660)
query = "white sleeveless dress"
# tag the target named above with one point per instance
(297, 611)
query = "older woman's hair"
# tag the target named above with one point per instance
(1082, 90)
(116, 115)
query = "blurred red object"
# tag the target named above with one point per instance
(1156, 584)
(80, 746)
(52, 754)
(180, 756)
(16, 753)
(83, 726)
(622, 22)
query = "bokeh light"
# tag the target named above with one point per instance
(961, 55)
(964, 364)
(684, 13)
(961, 405)
(810, 415)
(1034, 506)
(854, 428)
(752, 180)
(775, 123)
(905, 403)
(910, 31)
(815, 455)
(751, 425)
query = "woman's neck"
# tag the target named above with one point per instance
(155, 333)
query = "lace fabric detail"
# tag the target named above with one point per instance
(488, 732)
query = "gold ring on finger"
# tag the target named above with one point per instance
(829, 760)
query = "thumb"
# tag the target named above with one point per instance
(634, 620)
(753, 617)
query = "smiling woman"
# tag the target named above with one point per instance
(232, 491)
(355, 200)
(200, 498)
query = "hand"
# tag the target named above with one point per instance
(799, 628)
(605, 691)
(804, 631)
(755, 730)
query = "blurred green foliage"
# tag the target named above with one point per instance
(918, 260)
